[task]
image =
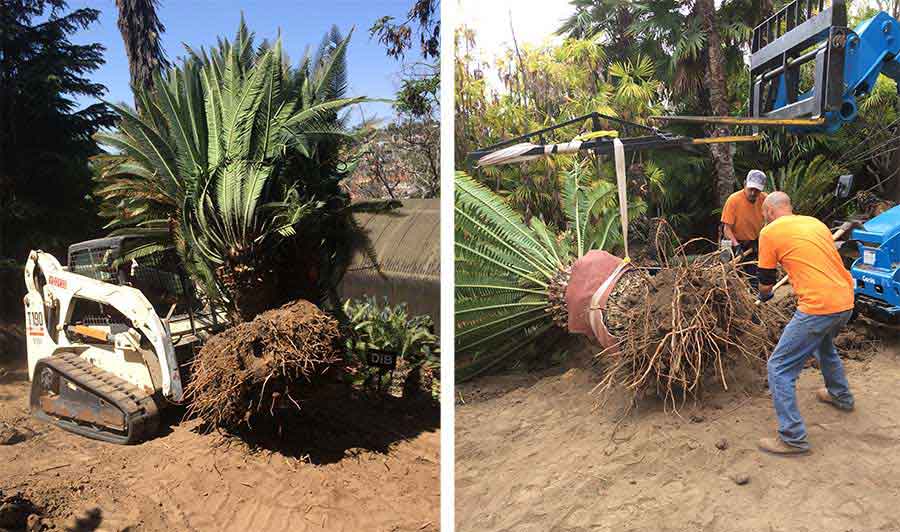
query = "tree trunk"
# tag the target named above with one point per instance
(715, 83)
(141, 31)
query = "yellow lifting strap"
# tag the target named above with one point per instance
(621, 184)
(741, 120)
(731, 138)
(596, 135)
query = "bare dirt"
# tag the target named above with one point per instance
(533, 454)
(357, 466)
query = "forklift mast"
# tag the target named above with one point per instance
(806, 64)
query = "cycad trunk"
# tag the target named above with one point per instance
(251, 291)
(715, 83)
(285, 274)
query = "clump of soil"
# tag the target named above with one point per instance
(247, 375)
(11, 435)
(857, 341)
(18, 513)
(684, 327)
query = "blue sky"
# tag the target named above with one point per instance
(302, 23)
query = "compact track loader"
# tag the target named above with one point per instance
(108, 339)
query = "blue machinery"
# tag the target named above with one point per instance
(846, 63)
(807, 70)
(877, 270)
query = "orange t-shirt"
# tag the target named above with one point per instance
(745, 217)
(804, 246)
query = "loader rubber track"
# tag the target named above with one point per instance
(77, 396)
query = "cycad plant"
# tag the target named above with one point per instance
(808, 183)
(511, 276)
(233, 155)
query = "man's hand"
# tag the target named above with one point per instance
(765, 296)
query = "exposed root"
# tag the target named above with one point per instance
(244, 376)
(689, 325)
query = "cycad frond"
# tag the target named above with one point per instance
(238, 150)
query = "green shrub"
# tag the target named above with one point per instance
(374, 326)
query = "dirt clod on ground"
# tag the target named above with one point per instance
(11, 435)
(244, 376)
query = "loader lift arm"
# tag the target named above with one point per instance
(846, 65)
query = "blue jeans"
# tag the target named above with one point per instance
(805, 335)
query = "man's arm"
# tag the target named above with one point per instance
(728, 231)
(728, 220)
(766, 278)
(766, 272)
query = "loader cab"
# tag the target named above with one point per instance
(159, 275)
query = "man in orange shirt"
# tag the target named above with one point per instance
(742, 219)
(804, 247)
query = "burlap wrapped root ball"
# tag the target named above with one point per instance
(247, 376)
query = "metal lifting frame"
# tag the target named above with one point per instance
(655, 139)
(803, 31)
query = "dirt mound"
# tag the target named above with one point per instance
(683, 327)
(244, 376)
(364, 466)
(858, 341)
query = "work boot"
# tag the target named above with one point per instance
(777, 446)
(823, 396)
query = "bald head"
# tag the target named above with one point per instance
(776, 205)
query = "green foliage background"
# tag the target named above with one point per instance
(636, 58)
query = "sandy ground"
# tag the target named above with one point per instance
(371, 470)
(533, 455)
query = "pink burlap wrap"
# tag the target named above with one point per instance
(592, 279)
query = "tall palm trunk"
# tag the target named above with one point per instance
(715, 83)
(141, 30)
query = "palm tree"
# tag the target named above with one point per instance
(718, 94)
(236, 163)
(141, 31)
(511, 276)
(693, 42)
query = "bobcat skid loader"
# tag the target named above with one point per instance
(108, 339)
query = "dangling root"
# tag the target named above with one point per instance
(686, 326)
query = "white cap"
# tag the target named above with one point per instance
(756, 179)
